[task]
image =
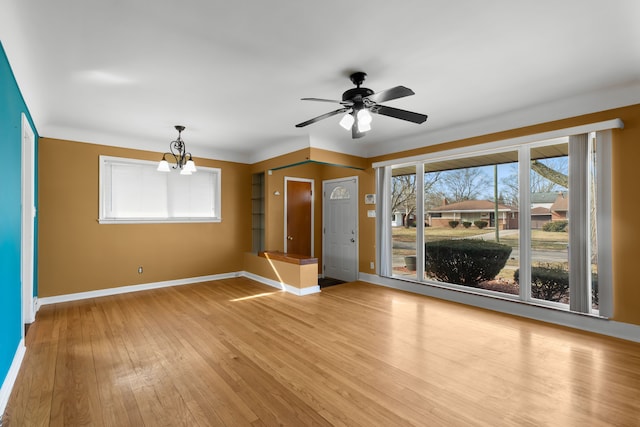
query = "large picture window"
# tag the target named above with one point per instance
(133, 191)
(528, 221)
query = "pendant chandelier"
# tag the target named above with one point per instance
(181, 158)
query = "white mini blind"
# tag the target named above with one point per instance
(192, 197)
(134, 191)
(137, 191)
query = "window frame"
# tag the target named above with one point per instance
(105, 191)
(522, 145)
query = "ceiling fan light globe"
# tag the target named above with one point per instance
(364, 126)
(347, 121)
(163, 166)
(364, 116)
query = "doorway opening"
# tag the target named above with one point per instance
(28, 214)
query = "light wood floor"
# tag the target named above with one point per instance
(235, 352)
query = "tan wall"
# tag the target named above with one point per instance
(76, 254)
(319, 165)
(295, 275)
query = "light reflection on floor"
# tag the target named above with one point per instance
(264, 294)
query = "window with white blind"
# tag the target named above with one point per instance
(133, 191)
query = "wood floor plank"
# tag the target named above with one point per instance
(234, 352)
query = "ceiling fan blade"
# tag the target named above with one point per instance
(389, 94)
(324, 116)
(399, 114)
(333, 101)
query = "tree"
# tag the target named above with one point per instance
(432, 196)
(547, 175)
(459, 185)
(551, 173)
(403, 195)
(510, 188)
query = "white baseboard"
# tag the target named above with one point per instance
(580, 321)
(12, 375)
(282, 286)
(34, 310)
(147, 286)
(133, 288)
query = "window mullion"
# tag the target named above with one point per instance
(524, 221)
(420, 221)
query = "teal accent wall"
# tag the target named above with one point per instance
(12, 106)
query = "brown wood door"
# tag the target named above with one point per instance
(298, 232)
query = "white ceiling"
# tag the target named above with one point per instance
(123, 72)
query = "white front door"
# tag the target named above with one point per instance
(340, 225)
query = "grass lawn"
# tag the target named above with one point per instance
(540, 240)
(401, 234)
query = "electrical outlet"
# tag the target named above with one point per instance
(372, 265)
(140, 270)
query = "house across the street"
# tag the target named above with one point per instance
(545, 207)
(470, 211)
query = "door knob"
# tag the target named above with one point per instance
(289, 237)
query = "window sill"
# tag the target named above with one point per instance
(157, 220)
(498, 296)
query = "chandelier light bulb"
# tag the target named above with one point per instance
(163, 166)
(190, 166)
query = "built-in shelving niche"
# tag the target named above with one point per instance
(257, 212)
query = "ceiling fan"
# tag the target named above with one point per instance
(357, 104)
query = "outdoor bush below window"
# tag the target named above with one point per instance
(549, 283)
(465, 262)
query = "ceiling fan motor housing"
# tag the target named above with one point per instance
(356, 94)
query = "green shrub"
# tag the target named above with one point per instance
(453, 224)
(465, 261)
(595, 295)
(556, 226)
(480, 224)
(551, 283)
(466, 224)
(548, 282)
